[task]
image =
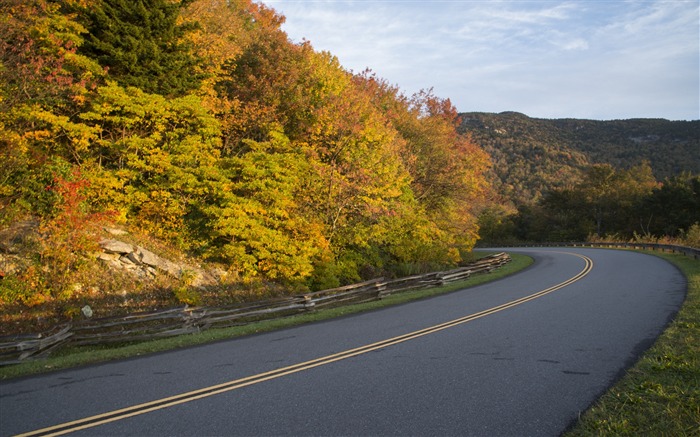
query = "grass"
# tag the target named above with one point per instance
(78, 356)
(660, 395)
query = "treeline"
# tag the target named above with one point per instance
(200, 123)
(608, 204)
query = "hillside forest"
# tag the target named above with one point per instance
(201, 127)
(566, 180)
(199, 130)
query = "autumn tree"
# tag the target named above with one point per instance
(203, 125)
(155, 160)
(446, 168)
(256, 222)
(45, 82)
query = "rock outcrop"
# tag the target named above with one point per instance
(146, 264)
(19, 240)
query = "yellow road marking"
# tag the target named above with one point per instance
(159, 404)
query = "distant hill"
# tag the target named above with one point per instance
(533, 155)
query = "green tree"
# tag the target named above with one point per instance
(674, 206)
(613, 196)
(141, 44)
(606, 202)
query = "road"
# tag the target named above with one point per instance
(484, 361)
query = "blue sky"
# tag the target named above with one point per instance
(550, 59)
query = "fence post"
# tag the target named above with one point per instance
(309, 304)
(381, 290)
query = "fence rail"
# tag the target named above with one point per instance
(685, 250)
(177, 321)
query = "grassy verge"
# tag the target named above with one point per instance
(660, 395)
(73, 357)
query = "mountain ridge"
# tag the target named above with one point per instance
(534, 155)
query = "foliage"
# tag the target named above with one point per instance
(67, 236)
(626, 204)
(44, 82)
(200, 124)
(256, 225)
(673, 206)
(141, 44)
(534, 156)
(155, 160)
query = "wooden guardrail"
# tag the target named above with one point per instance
(177, 321)
(685, 250)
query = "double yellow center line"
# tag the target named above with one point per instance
(159, 404)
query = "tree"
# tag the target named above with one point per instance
(606, 202)
(614, 196)
(674, 206)
(256, 224)
(142, 44)
(155, 160)
(44, 82)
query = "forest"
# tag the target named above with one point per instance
(201, 128)
(532, 155)
(198, 129)
(566, 180)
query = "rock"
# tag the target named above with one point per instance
(87, 311)
(104, 256)
(116, 246)
(170, 267)
(145, 264)
(147, 257)
(204, 278)
(128, 260)
(133, 257)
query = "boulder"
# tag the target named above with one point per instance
(116, 246)
(104, 256)
(147, 257)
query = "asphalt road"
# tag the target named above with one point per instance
(527, 367)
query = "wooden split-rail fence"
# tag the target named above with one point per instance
(692, 252)
(177, 321)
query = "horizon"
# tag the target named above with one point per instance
(576, 118)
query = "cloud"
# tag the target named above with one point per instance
(543, 58)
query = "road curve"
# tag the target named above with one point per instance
(519, 356)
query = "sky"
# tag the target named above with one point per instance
(594, 59)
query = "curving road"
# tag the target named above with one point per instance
(519, 356)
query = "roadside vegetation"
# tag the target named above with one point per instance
(201, 125)
(660, 395)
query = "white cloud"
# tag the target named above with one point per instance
(543, 58)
